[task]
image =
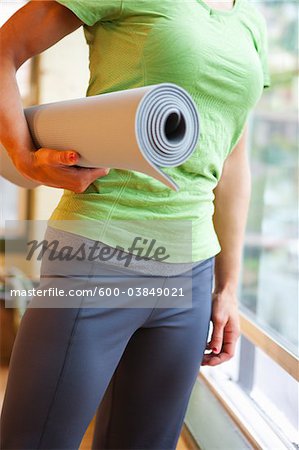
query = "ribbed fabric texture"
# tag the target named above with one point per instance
(118, 259)
(219, 57)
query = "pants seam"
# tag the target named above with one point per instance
(111, 409)
(59, 378)
(155, 305)
(69, 345)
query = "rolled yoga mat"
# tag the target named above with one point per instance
(139, 129)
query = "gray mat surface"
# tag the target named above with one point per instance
(140, 129)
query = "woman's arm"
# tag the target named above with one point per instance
(31, 30)
(232, 197)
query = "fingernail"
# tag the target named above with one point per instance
(106, 171)
(72, 156)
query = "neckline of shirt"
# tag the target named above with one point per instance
(223, 12)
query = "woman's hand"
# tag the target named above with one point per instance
(232, 195)
(56, 169)
(48, 23)
(226, 328)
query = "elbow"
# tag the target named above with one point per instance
(11, 60)
(12, 53)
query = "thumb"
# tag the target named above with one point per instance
(216, 341)
(66, 157)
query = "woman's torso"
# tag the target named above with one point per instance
(216, 56)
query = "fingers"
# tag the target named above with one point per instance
(67, 158)
(226, 349)
(217, 335)
(226, 328)
(50, 157)
(98, 172)
(57, 167)
(226, 353)
(214, 360)
(84, 177)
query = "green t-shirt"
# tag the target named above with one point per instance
(220, 58)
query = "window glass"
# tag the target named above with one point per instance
(269, 288)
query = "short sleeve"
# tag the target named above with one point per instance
(93, 11)
(263, 53)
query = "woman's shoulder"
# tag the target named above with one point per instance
(253, 19)
(92, 12)
(253, 13)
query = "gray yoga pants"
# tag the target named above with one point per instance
(134, 367)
